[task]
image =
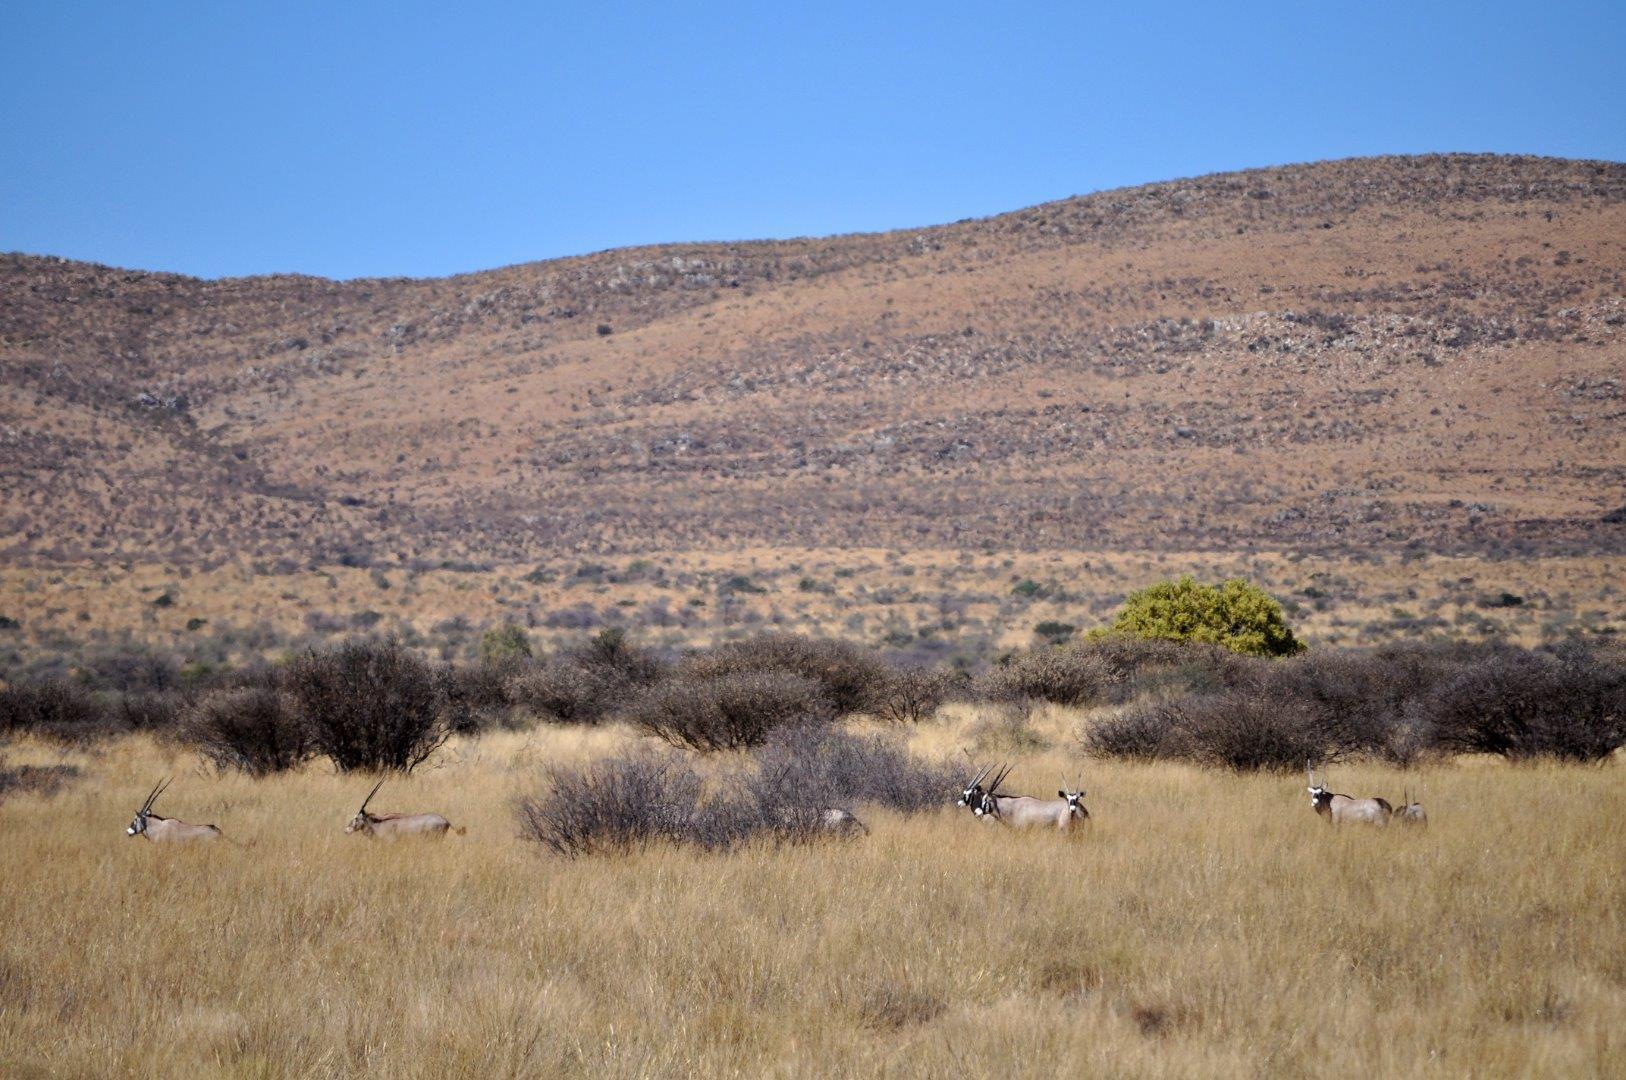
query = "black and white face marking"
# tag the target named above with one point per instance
(1075, 800)
(138, 826)
(971, 796)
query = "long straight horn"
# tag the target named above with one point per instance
(370, 795)
(981, 776)
(146, 804)
(157, 791)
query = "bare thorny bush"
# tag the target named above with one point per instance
(779, 794)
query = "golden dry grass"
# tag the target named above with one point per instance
(1206, 925)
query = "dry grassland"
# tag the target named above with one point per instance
(1206, 925)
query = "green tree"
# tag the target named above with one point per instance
(1234, 614)
(503, 644)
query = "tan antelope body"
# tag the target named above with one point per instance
(167, 830)
(1345, 810)
(398, 826)
(1024, 811)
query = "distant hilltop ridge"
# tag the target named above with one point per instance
(1367, 354)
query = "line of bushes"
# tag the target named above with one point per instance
(376, 704)
(1399, 703)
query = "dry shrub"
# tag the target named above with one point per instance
(1570, 705)
(847, 675)
(55, 709)
(373, 705)
(623, 802)
(561, 691)
(1062, 675)
(613, 805)
(42, 780)
(1139, 733)
(824, 767)
(254, 730)
(729, 710)
(1245, 731)
(152, 710)
(587, 683)
(912, 695)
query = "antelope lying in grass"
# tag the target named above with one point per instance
(167, 830)
(396, 826)
(1411, 813)
(841, 822)
(1344, 810)
(1024, 811)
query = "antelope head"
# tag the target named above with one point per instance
(972, 795)
(1074, 799)
(1319, 795)
(362, 822)
(987, 800)
(139, 824)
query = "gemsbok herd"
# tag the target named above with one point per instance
(988, 803)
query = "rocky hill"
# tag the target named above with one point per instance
(1377, 354)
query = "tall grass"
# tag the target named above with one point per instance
(1206, 924)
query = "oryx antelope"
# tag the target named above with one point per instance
(1024, 811)
(836, 820)
(157, 828)
(1343, 810)
(1411, 813)
(396, 826)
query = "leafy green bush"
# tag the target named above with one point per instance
(1234, 614)
(504, 644)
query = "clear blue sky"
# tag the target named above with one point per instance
(346, 138)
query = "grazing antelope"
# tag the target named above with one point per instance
(833, 819)
(1411, 813)
(168, 830)
(396, 826)
(1343, 810)
(1025, 811)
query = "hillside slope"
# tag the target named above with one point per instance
(1358, 355)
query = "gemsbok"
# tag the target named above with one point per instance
(1411, 813)
(397, 826)
(167, 830)
(1344, 810)
(1024, 811)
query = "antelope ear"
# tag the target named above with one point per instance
(1061, 794)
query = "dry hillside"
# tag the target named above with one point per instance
(1343, 357)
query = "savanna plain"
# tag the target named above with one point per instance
(1204, 924)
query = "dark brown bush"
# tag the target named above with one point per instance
(255, 730)
(613, 805)
(562, 691)
(43, 780)
(847, 674)
(153, 710)
(912, 695)
(1147, 666)
(56, 709)
(729, 710)
(1138, 733)
(1062, 675)
(373, 705)
(1245, 731)
(823, 767)
(1569, 705)
(479, 695)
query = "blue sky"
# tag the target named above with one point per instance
(349, 139)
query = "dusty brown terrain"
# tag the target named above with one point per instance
(1354, 354)
(1363, 361)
